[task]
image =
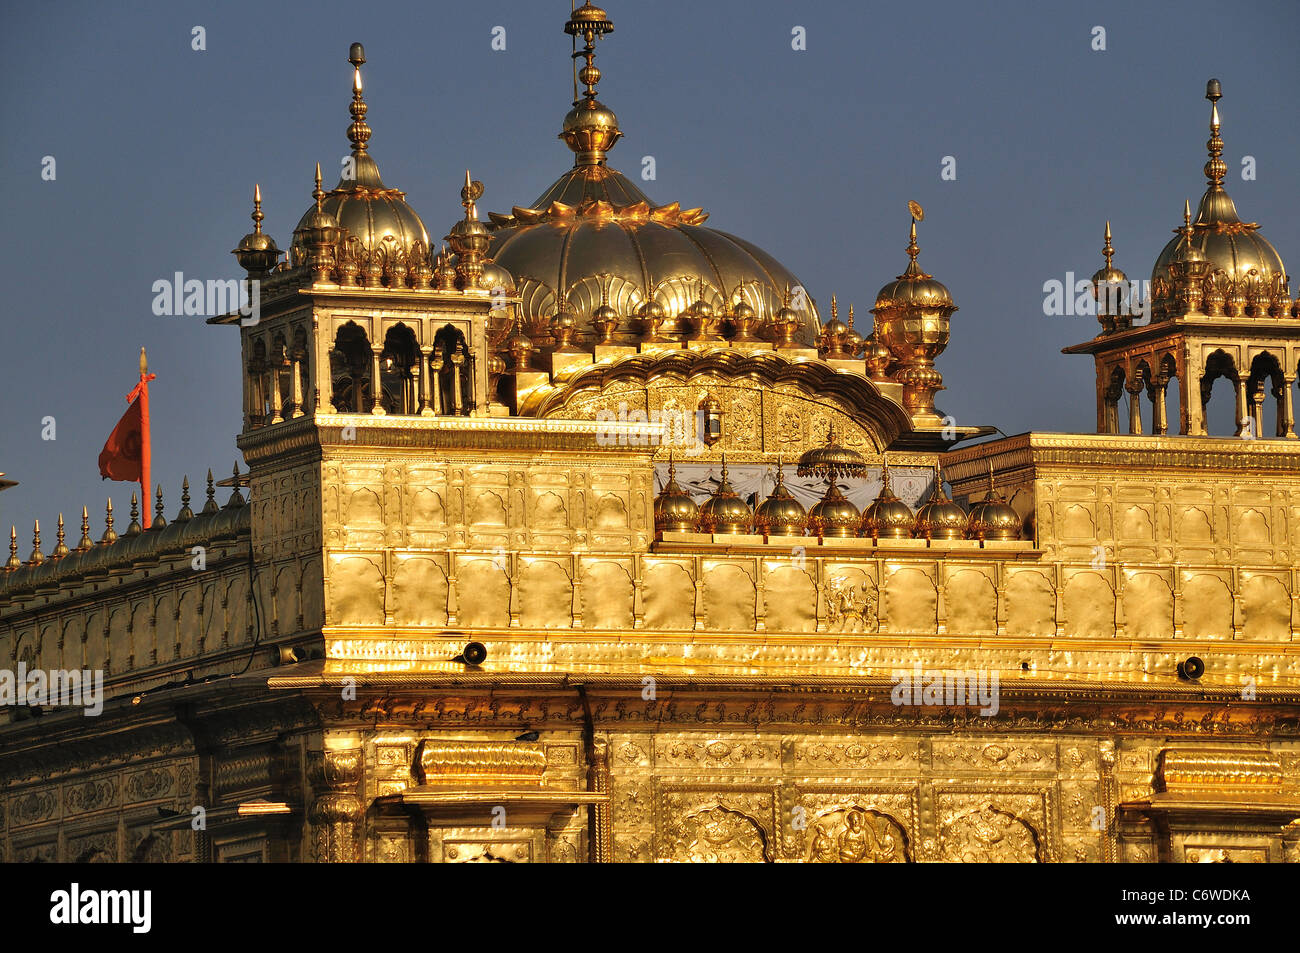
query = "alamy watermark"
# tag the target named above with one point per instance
(683, 429)
(1074, 296)
(952, 687)
(178, 296)
(58, 686)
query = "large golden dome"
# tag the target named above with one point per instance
(593, 230)
(1230, 245)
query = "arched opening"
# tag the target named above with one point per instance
(452, 367)
(281, 378)
(350, 370)
(1264, 396)
(1142, 380)
(1219, 401)
(399, 371)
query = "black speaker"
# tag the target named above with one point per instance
(1191, 668)
(474, 654)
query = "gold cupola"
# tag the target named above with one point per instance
(675, 511)
(833, 515)
(725, 512)
(361, 203)
(1242, 262)
(780, 514)
(1109, 289)
(912, 321)
(993, 517)
(594, 232)
(887, 517)
(940, 517)
(256, 252)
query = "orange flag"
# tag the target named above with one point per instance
(126, 455)
(122, 456)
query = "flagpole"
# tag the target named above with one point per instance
(146, 497)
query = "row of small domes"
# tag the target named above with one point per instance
(780, 514)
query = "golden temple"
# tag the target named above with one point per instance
(587, 536)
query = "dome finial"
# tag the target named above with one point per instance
(85, 543)
(1187, 214)
(14, 562)
(590, 129)
(257, 209)
(359, 130)
(318, 193)
(1215, 168)
(1108, 252)
(110, 535)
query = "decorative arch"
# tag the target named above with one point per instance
(350, 367)
(452, 370)
(399, 371)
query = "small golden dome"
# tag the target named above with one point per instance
(832, 461)
(780, 514)
(887, 517)
(725, 512)
(361, 203)
(914, 288)
(256, 252)
(940, 517)
(833, 515)
(993, 517)
(497, 279)
(675, 511)
(1109, 274)
(1218, 234)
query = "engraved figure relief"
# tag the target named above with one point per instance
(851, 607)
(722, 836)
(856, 836)
(988, 835)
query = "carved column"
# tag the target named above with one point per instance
(295, 368)
(425, 373)
(1159, 415)
(376, 383)
(336, 812)
(1135, 408)
(273, 377)
(1241, 407)
(1286, 423)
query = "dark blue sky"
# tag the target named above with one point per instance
(811, 155)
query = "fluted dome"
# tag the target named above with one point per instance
(1218, 234)
(887, 517)
(780, 514)
(362, 204)
(594, 229)
(675, 511)
(833, 515)
(940, 517)
(725, 511)
(993, 517)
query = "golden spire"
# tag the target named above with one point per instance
(37, 557)
(14, 562)
(1108, 251)
(86, 543)
(359, 130)
(159, 522)
(236, 498)
(318, 193)
(186, 513)
(1215, 167)
(211, 505)
(110, 536)
(590, 129)
(60, 546)
(470, 192)
(257, 215)
(835, 308)
(133, 528)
